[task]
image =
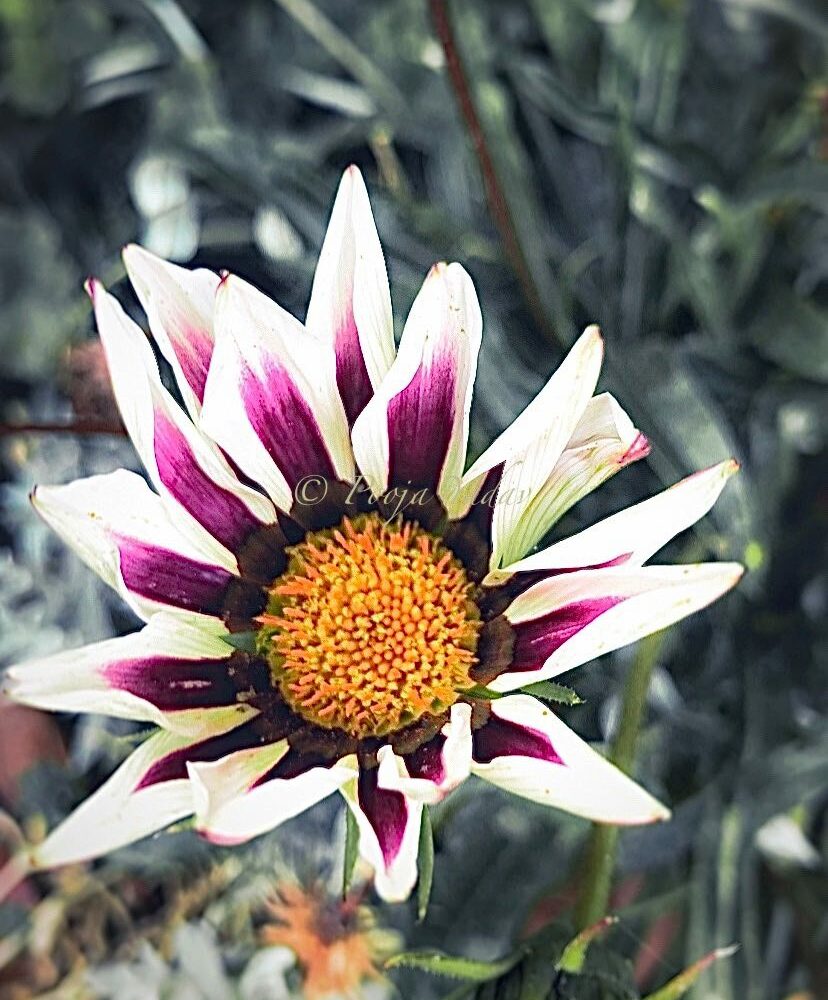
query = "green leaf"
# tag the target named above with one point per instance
(425, 864)
(550, 691)
(440, 964)
(351, 851)
(245, 642)
(483, 693)
(793, 332)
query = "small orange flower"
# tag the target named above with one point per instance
(336, 942)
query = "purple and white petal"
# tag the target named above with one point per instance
(603, 443)
(271, 400)
(530, 449)
(191, 475)
(122, 810)
(389, 832)
(350, 303)
(179, 307)
(525, 749)
(122, 530)
(565, 621)
(436, 768)
(149, 791)
(173, 673)
(414, 432)
(252, 791)
(633, 535)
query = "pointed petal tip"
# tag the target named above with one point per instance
(662, 815)
(640, 448)
(137, 258)
(93, 287)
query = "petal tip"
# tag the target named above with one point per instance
(92, 287)
(640, 448)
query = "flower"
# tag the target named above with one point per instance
(333, 602)
(337, 943)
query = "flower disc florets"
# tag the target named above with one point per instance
(372, 626)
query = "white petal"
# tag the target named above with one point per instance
(582, 782)
(395, 863)
(633, 535)
(453, 758)
(580, 616)
(105, 677)
(121, 529)
(271, 399)
(117, 814)
(603, 443)
(531, 447)
(554, 413)
(350, 304)
(193, 478)
(179, 306)
(414, 431)
(231, 808)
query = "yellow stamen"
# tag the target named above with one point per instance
(371, 627)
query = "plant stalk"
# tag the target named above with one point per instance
(495, 195)
(599, 860)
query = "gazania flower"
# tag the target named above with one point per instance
(337, 943)
(329, 593)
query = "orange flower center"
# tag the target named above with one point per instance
(372, 626)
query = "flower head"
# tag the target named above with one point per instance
(331, 597)
(336, 942)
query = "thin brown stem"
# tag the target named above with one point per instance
(495, 196)
(82, 427)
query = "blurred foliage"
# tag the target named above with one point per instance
(666, 166)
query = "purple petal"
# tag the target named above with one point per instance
(500, 738)
(167, 577)
(222, 513)
(176, 684)
(174, 765)
(420, 422)
(194, 350)
(294, 763)
(538, 638)
(387, 812)
(352, 377)
(427, 761)
(286, 426)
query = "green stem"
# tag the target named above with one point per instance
(599, 861)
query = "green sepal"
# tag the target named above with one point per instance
(245, 642)
(425, 864)
(351, 851)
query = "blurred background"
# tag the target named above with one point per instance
(659, 167)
